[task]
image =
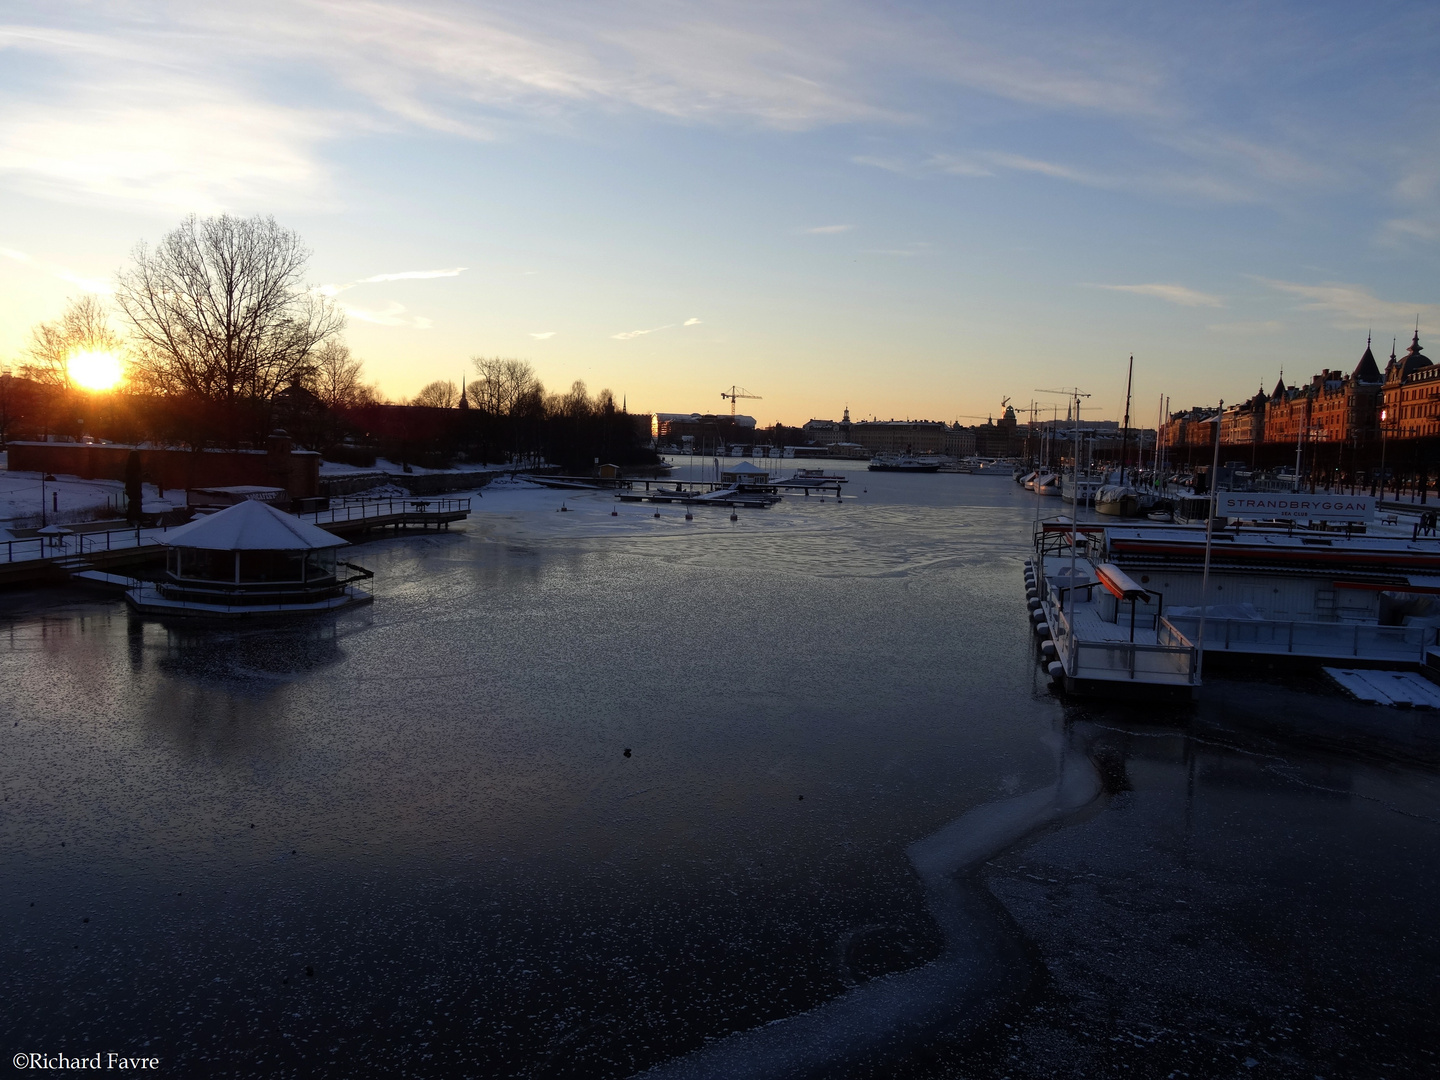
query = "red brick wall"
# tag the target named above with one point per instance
(298, 472)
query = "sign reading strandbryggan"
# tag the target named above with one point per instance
(1295, 507)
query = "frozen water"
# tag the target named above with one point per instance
(409, 839)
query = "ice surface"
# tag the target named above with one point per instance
(963, 987)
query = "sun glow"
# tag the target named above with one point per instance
(95, 370)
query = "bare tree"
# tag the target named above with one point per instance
(84, 327)
(220, 312)
(440, 394)
(505, 387)
(334, 376)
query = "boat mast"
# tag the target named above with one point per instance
(1209, 531)
(1125, 434)
(1074, 489)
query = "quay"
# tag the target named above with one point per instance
(1127, 605)
(97, 554)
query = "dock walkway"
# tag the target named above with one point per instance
(39, 560)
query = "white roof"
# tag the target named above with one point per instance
(251, 526)
(746, 469)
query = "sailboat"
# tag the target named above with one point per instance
(1119, 497)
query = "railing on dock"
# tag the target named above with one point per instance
(1171, 660)
(1317, 639)
(360, 511)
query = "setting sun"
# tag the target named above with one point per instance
(95, 370)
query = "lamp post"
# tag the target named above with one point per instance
(1383, 414)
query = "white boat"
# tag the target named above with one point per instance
(1117, 500)
(1086, 491)
(903, 463)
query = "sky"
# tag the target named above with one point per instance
(913, 210)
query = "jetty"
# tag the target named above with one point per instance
(699, 493)
(95, 553)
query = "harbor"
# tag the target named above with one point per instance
(954, 751)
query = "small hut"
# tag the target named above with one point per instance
(745, 475)
(250, 559)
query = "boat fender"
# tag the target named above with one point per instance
(1056, 670)
(689, 516)
(1032, 594)
(1033, 603)
(734, 516)
(657, 513)
(1037, 613)
(1048, 648)
(1042, 630)
(614, 513)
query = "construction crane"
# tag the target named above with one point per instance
(735, 394)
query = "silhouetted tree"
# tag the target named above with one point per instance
(440, 394)
(219, 311)
(84, 327)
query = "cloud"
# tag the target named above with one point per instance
(89, 284)
(544, 335)
(1356, 305)
(691, 322)
(392, 314)
(1174, 294)
(414, 275)
(1270, 326)
(404, 275)
(629, 334)
(161, 141)
(826, 230)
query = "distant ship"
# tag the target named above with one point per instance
(902, 463)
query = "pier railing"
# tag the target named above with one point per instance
(1171, 660)
(1318, 639)
(384, 508)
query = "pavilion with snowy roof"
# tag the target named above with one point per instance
(745, 475)
(249, 558)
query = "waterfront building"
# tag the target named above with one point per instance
(1411, 394)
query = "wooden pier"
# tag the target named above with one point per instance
(699, 493)
(48, 560)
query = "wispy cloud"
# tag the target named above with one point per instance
(1173, 294)
(414, 275)
(544, 335)
(629, 334)
(392, 314)
(1355, 305)
(691, 322)
(89, 284)
(1269, 326)
(404, 275)
(827, 230)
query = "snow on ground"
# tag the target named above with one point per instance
(76, 499)
(336, 468)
